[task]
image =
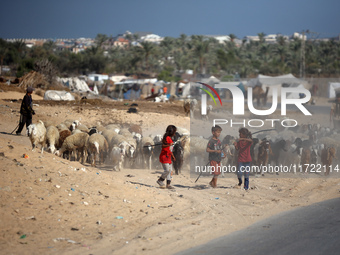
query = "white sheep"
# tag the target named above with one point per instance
(37, 135)
(73, 143)
(119, 147)
(62, 127)
(131, 150)
(137, 137)
(97, 145)
(117, 155)
(74, 125)
(52, 138)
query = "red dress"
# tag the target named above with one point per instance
(244, 151)
(165, 156)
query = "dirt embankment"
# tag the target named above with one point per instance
(50, 205)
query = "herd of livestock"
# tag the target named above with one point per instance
(305, 146)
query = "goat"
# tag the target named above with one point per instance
(327, 156)
(263, 155)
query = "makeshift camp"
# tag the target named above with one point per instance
(287, 80)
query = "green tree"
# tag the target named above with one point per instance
(146, 50)
(232, 37)
(100, 39)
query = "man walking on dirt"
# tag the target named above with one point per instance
(26, 110)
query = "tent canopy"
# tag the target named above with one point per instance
(274, 80)
(287, 80)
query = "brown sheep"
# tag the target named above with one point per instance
(263, 156)
(305, 159)
(189, 106)
(136, 129)
(327, 156)
(62, 136)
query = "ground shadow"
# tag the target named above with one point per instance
(6, 133)
(143, 184)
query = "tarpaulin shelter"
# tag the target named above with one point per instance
(56, 95)
(76, 84)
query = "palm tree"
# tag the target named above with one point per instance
(167, 49)
(261, 37)
(200, 49)
(100, 39)
(147, 49)
(281, 40)
(232, 37)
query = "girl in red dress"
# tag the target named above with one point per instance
(166, 155)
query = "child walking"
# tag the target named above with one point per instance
(244, 158)
(214, 147)
(165, 157)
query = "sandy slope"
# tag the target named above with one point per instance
(53, 206)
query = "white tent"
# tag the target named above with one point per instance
(211, 80)
(58, 95)
(95, 90)
(76, 84)
(186, 90)
(274, 80)
(287, 80)
(333, 88)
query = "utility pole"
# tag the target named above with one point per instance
(313, 36)
(302, 64)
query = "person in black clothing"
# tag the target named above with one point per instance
(26, 110)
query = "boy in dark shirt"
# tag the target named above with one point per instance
(214, 147)
(26, 110)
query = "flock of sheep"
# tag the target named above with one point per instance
(306, 148)
(113, 144)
